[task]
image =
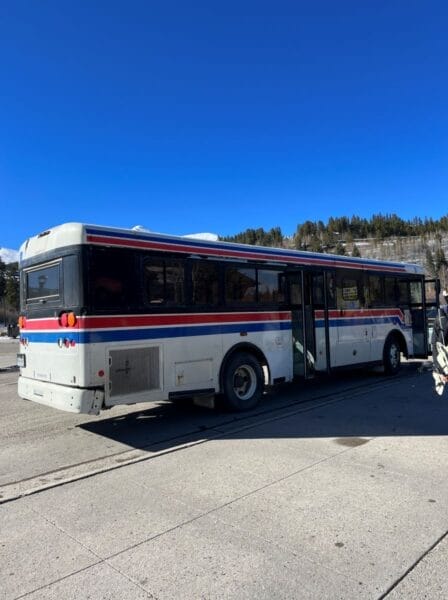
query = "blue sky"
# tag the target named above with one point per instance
(218, 116)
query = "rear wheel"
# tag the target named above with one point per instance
(392, 356)
(243, 382)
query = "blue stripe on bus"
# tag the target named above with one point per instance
(353, 322)
(121, 335)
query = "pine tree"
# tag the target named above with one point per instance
(12, 286)
(2, 278)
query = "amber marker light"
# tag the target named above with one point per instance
(71, 319)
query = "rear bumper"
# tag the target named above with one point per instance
(70, 399)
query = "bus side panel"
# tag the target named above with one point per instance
(276, 346)
(192, 363)
(354, 332)
(142, 371)
(392, 320)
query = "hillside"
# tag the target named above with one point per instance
(424, 242)
(412, 249)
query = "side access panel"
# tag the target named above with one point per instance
(133, 374)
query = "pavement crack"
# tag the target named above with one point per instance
(413, 566)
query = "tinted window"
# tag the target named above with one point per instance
(348, 290)
(331, 290)
(164, 282)
(205, 283)
(295, 290)
(403, 292)
(376, 296)
(240, 285)
(416, 292)
(43, 283)
(318, 291)
(270, 287)
(389, 291)
(112, 278)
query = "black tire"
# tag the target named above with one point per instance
(243, 382)
(392, 356)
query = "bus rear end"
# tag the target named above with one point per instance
(51, 357)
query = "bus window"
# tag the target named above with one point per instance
(240, 285)
(348, 291)
(205, 283)
(43, 283)
(155, 281)
(331, 290)
(295, 290)
(403, 292)
(375, 290)
(416, 291)
(318, 290)
(164, 282)
(389, 291)
(174, 283)
(110, 278)
(269, 291)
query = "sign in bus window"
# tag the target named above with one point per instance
(43, 283)
(349, 295)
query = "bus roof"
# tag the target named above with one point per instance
(73, 234)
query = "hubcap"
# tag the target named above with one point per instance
(394, 355)
(244, 382)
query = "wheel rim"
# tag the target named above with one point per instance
(244, 382)
(394, 356)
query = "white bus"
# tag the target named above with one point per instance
(117, 316)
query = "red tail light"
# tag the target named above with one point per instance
(67, 319)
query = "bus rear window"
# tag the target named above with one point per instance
(43, 283)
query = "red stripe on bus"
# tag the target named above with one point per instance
(96, 322)
(221, 252)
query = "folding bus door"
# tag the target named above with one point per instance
(302, 317)
(432, 292)
(418, 316)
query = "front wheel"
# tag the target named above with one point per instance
(243, 382)
(392, 356)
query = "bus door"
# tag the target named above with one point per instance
(418, 318)
(302, 316)
(432, 293)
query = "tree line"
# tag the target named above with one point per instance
(340, 234)
(343, 228)
(9, 292)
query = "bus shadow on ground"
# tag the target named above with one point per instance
(358, 405)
